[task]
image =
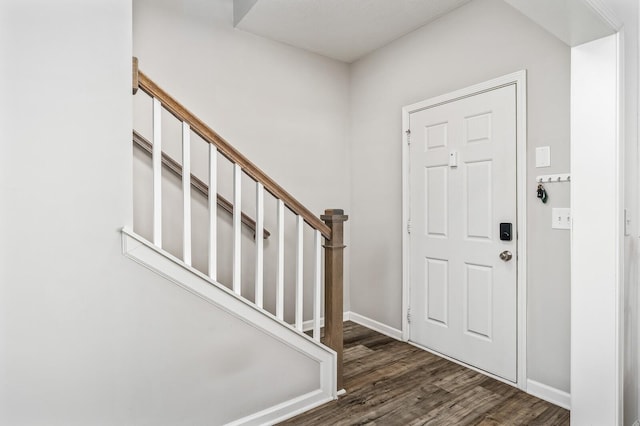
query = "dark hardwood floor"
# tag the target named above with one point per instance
(393, 383)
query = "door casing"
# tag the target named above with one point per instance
(518, 78)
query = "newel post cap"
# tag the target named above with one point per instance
(334, 215)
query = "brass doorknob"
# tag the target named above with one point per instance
(506, 255)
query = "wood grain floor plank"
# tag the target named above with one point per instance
(355, 352)
(520, 409)
(552, 416)
(392, 383)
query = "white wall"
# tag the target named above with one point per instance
(285, 109)
(480, 41)
(86, 335)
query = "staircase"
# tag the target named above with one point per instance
(259, 299)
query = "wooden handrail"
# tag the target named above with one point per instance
(209, 135)
(198, 184)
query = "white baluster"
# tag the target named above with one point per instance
(157, 172)
(186, 192)
(259, 243)
(280, 266)
(213, 212)
(237, 228)
(317, 284)
(299, 272)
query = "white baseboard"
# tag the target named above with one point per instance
(308, 325)
(549, 394)
(376, 325)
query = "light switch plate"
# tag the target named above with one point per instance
(543, 156)
(561, 218)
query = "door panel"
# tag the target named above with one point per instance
(479, 206)
(436, 271)
(436, 196)
(478, 300)
(462, 295)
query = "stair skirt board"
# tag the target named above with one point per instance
(284, 411)
(174, 270)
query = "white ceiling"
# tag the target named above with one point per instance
(572, 21)
(341, 29)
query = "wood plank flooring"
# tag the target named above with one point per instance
(393, 383)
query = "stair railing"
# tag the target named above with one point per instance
(329, 226)
(176, 168)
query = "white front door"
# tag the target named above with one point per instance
(462, 182)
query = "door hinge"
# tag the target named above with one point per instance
(409, 315)
(408, 133)
(409, 226)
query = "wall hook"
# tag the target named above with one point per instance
(562, 177)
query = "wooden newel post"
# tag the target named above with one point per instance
(333, 284)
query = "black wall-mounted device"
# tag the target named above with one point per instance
(505, 232)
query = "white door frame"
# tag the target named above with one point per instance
(518, 78)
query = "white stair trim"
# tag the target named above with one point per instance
(173, 269)
(284, 411)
